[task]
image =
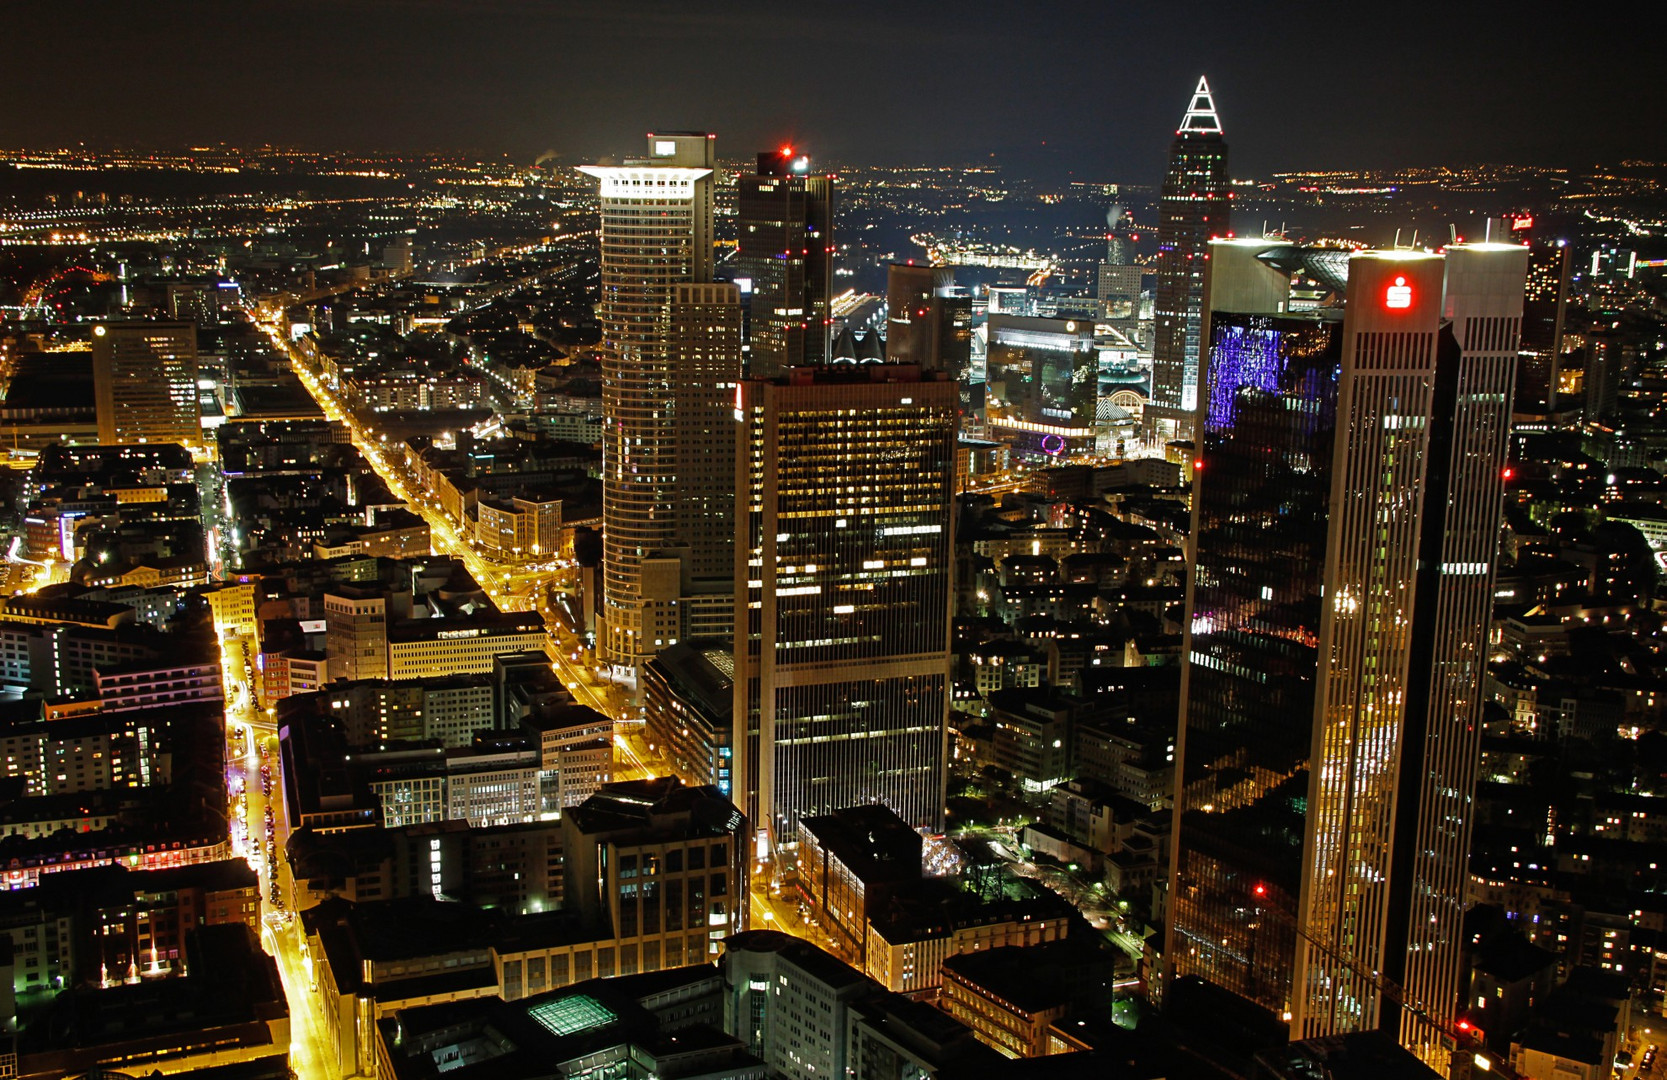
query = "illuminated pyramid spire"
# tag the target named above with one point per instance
(1201, 118)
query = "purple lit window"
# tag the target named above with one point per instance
(1241, 358)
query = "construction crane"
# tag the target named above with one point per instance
(1462, 1034)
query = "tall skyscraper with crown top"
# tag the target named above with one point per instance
(1194, 206)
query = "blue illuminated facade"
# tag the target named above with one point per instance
(1261, 500)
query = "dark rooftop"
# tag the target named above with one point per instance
(802, 954)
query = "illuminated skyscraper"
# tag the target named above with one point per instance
(656, 235)
(784, 233)
(1250, 654)
(1545, 302)
(1347, 506)
(145, 383)
(1463, 501)
(845, 494)
(1194, 206)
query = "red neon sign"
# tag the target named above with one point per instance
(1399, 295)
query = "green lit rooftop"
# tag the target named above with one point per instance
(572, 1015)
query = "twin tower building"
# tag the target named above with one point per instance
(1347, 500)
(801, 509)
(1349, 418)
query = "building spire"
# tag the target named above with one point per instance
(1201, 118)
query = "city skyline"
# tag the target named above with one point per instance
(438, 73)
(609, 605)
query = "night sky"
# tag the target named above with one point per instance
(1093, 88)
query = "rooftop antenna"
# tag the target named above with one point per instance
(1397, 244)
(1201, 117)
(1414, 244)
(1452, 233)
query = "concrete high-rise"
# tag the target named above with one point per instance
(656, 235)
(703, 338)
(911, 322)
(145, 383)
(1194, 206)
(929, 322)
(784, 249)
(1347, 502)
(845, 481)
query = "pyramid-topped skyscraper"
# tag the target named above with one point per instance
(1194, 207)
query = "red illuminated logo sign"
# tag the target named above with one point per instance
(1398, 295)
(1525, 222)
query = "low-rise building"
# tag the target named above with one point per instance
(665, 1024)
(689, 696)
(437, 648)
(664, 866)
(850, 862)
(1010, 997)
(107, 924)
(912, 935)
(228, 1008)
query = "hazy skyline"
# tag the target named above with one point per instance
(1093, 88)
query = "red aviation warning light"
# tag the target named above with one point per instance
(1399, 295)
(1260, 889)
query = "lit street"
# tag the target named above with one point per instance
(253, 771)
(310, 1054)
(516, 589)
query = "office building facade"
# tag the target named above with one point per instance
(928, 319)
(1463, 501)
(662, 866)
(1194, 206)
(784, 251)
(704, 331)
(1041, 385)
(1117, 284)
(844, 537)
(1544, 306)
(656, 234)
(145, 383)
